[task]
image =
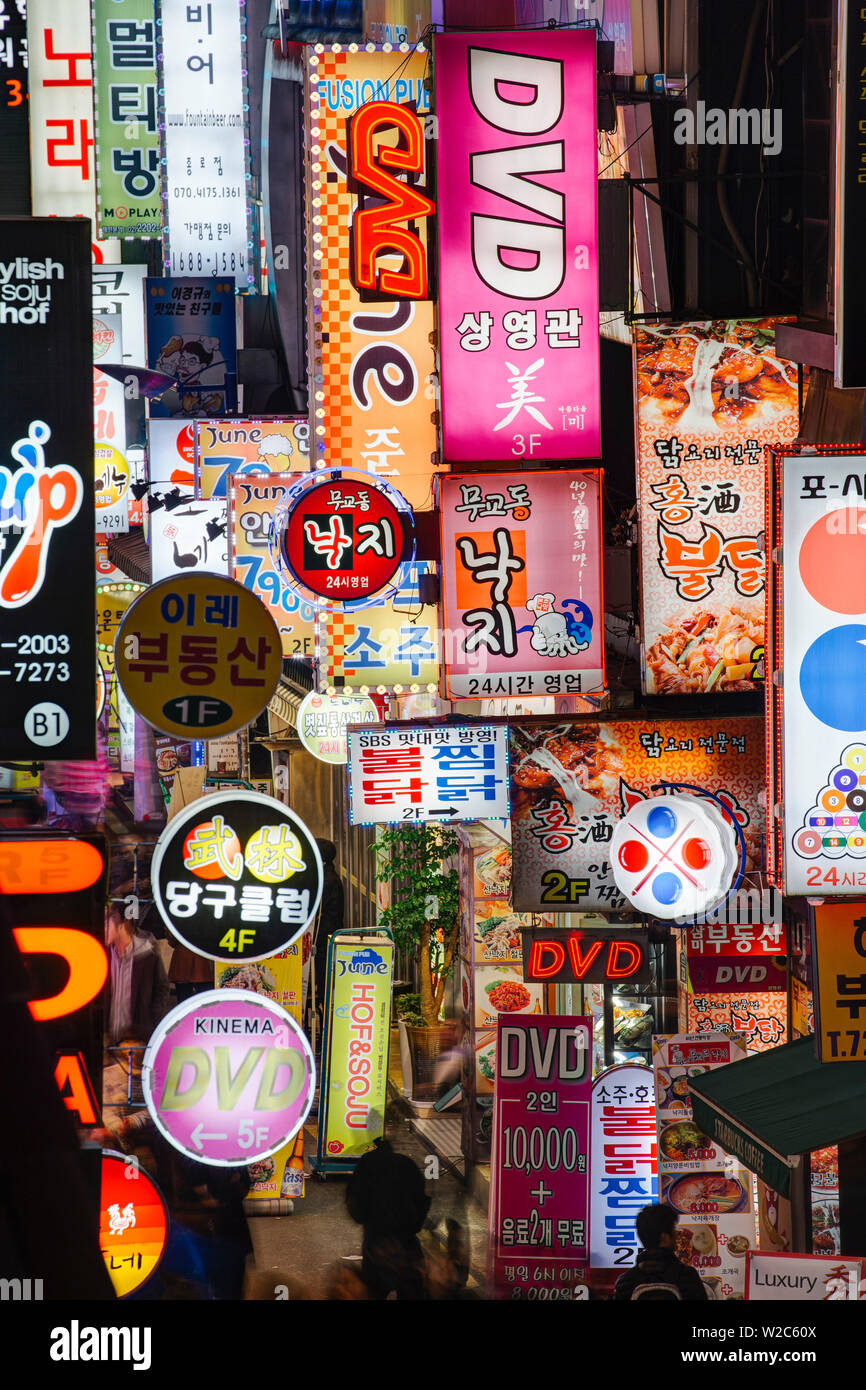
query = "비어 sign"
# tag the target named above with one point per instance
(47, 575)
(228, 1078)
(539, 1190)
(521, 558)
(427, 773)
(198, 656)
(236, 876)
(518, 244)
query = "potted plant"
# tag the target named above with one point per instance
(424, 919)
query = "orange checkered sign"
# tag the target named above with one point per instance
(198, 656)
(372, 363)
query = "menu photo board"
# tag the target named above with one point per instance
(710, 397)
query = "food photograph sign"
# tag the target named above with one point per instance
(522, 583)
(710, 397)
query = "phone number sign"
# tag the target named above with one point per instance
(426, 773)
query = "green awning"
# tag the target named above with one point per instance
(771, 1108)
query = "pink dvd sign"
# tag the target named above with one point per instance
(228, 1077)
(518, 245)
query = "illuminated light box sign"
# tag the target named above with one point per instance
(355, 1092)
(203, 103)
(572, 781)
(191, 336)
(47, 577)
(816, 721)
(623, 1162)
(85, 957)
(112, 468)
(521, 558)
(170, 454)
(427, 773)
(48, 865)
(16, 115)
(585, 957)
(839, 953)
(198, 656)
(773, 1276)
(228, 1078)
(674, 856)
(133, 1222)
(389, 207)
(387, 646)
(128, 194)
(343, 539)
(517, 223)
(726, 956)
(710, 398)
(187, 536)
(236, 876)
(253, 503)
(324, 719)
(226, 450)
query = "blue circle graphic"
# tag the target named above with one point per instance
(833, 678)
(661, 822)
(666, 888)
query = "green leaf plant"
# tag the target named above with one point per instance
(424, 915)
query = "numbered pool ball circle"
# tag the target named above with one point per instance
(856, 800)
(855, 757)
(845, 778)
(808, 843)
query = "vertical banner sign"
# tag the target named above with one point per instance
(202, 64)
(356, 1083)
(109, 429)
(518, 237)
(849, 273)
(252, 504)
(128, 196)
(47, 575)
(710, 396)
(191, 336)
(61, 114)
(816, 722)
(624, 1162)
(839, 951)
(539, 1190)
(521, 556)
(371, 362)
(15, 106)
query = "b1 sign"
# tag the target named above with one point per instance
(427, 773)
(517, 218)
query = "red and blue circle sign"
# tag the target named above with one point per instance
(673, 856)
(343, 537)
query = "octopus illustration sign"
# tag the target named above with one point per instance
(228, 1078)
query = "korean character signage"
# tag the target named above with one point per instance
(128, 193)
(324, 719)
(521, 556)
(202, 77)
(15, 154)
(760, 1020)
(816, 722)
(227, 449)
(572, 782)
(430, 772)
(252, 506)
(726, 956)
(539, 1189)
(518, 238)
(624, 1166)
(236, 876)
(198, 656)
(551, 956)
(186, 535)
(849, 282)
(774, 1277)
(710, 397)
(47, 577)
(372, 363)
(390, 645)
(353, 1099)
(133, 1223)
(109, 429)
(228, 1078)
(839, 953)
(191, 336)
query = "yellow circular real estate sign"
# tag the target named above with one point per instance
(198, 656)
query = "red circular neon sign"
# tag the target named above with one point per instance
(343, 539)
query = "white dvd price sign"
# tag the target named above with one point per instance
(428, 773)
(202, 62)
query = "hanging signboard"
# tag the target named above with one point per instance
(427, 773)
(358, 1007)
(849, 283)
(521, 558)
(839, 955)
(252, 507)
(133, 1222)
(539, 1189)
(191, 336)
(236, 876)
(624, 1164)
(128, 195)
(171, 455)
(556, 957)
(109, 429)
(571, 782)
(186, 536)
(390, 645)
(373, 364)
(226, 450)
(772, 1277)
(710, 397)
(323, 721)
(760, 1020)
(727, 956)
(15, 151)
(228, 1078)
(342, 539)
(47, 577)
(517, 222)
(198, 656)
(202, 66)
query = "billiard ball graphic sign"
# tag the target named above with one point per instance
(817, 660)
(674, 856)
